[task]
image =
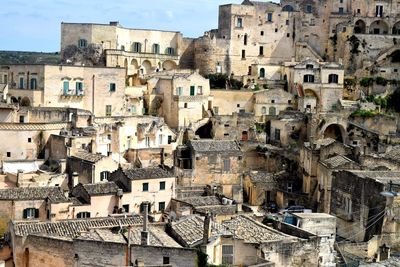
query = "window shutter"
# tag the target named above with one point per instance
(36, 213)
(25, 214)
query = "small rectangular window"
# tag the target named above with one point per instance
(29, 140)
(192, 90)
(162, 186)
(239, 23)
(21, 83)
(179, 91)
(161, 206)
(269, 17)
(145, 187)
(262, 33)
(169, 139)
(8, 154)
(126, 208)
(243, 54)
(165, 260)
(108, 110)
(199, 90)
(112, 87)
(261, 50)
(21, 119)
(227, 165)
(79, 88)
(66, 87)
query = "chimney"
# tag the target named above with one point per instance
(75, 179)
(145, 233)
(207, 229)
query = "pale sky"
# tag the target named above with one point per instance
(34, 25)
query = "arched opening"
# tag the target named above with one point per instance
(146, 67)
(396, 28)
(359, 27)
(134, 66)
(288, 8)
(395, 56)
(334, 131)
(205, 131)
(262, 73)
(245, 136)
(272, 111)
(25, 102)
(379, 27)
(263, 110)
(169, 65)
(14, 100)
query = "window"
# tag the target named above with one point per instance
(333, 78)
(82, 43)
(113, 87)
(126, 208)
(288, 8)
(358, 11)
(341, 10)
(185, 105)
(33, 84)
(262, 73)
(108, 110)
(66, 87)
(308, 78)
(269, 17)
(104, 175)
(169, 139)
(165, 260)
(192, 90)
(245, 39)
(199, 90)
(29, 140)
(238, 105)
(289, 101)
(122, 47)
(243, 54)
(263, 110)
(160, 139)
(262, 33)
(142, 207)
(179, 91)
(239, 22)
(287, 22)
(30, 213)
(170, 51)
(379, 11)
(227, 254)
(145, 187)
(8, 154)
(147, 141)
(21, 83)
(156, 49)
(348, 206)
(277, 135)
(161, 206)
(82, 215)
(309, 9)
(79, 88)
(227, 165)
(216, 110)
(137, 47)
(288, 35)
(162, 186)
(21, 119)
(273, 101)
(309, 66)
(261, 50)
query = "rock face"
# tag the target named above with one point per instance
(92, 55)
(18, 57)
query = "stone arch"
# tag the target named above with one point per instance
(311, 93)
(134, 66)
(288, 8)
(379, 27)
(335, 131)
(146, 67)
(25, 102)
(396, 28)
(169, 65)
(205, 131)
(14, 100)
(262, 73)
(360, 27)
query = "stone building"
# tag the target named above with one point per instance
(259, 187)
(138, 51)
(359, 206)
(185, 98)
(272, 102)
(153, 185)
(99, 90)
(211, 162)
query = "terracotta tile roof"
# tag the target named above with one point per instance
(147, 173)
(72, 228)
(215, 146)
(107, 188)
(157, 237)
(54, 194)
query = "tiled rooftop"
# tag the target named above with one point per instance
(381, 176)
(262, 178)
(72, 228)
(54, 194)
(147, 173)
(101, 188)
(88, 156)
(336, 161)
(215, 146)
(202, 201)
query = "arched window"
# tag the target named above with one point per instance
(272, 111)
(263, 110)
(33, 84)
(308, 78)
(82, 43)
(156, 49)
(333, 78)
(288, 8)
(262, 73)
(137, 47)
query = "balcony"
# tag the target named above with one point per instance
(143, 55)
(73, 93)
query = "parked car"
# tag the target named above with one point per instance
(271, 207)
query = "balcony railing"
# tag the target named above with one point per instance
(73, 93)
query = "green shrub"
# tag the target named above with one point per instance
(366, 81)
(381, 81)
(363, 113)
